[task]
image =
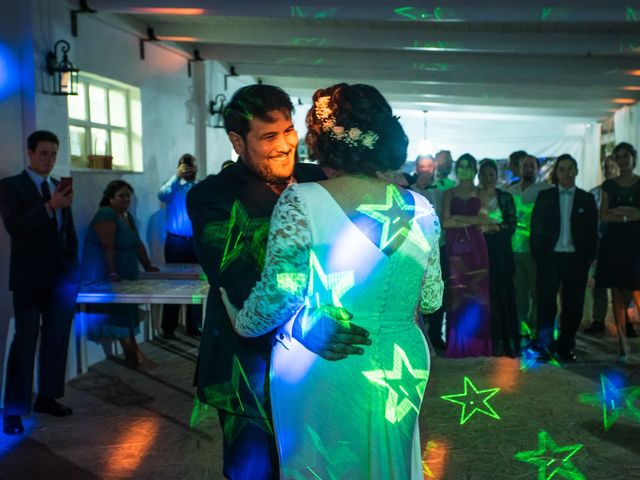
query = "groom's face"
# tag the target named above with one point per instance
(269, 148)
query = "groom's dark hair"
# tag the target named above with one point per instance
(255, 101)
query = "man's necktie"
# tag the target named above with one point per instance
(46, 193)
(46, 196)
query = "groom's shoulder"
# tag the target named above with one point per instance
(308, 172)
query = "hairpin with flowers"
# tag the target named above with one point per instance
(354, 137)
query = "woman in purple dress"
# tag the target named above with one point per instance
(463, 218)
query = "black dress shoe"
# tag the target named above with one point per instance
(51, 407)
(567, 356)
(195, 332)
(12, 425)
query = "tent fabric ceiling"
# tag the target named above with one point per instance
(580, 59)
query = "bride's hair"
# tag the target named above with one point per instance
(352, 128)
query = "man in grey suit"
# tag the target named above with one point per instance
(43, 277)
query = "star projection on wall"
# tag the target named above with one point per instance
(388, 218)
(241, 236)
(552, 461)
(404, 391)
(615, 401)
(229, 397)
(473, 400)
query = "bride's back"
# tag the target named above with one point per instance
(370, 244)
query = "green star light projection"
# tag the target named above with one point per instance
(552, 461)
(473, 400)
(241, 237)
(615, 401)
(404, 392)
(227, 397)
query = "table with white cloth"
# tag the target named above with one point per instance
(151, 289)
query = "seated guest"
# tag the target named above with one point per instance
(505, 331)
(564, 238)
(619, 255)
(112, 251)
(468, 310)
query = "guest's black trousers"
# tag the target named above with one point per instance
(48, 313)
(179, 249)
(564, 273)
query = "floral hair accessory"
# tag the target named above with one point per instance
(354, 137)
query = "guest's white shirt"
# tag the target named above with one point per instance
(565, 242)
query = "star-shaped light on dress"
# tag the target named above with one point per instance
(389, 215)
(552, 461)
(228, 397)
(326, 288)
(473, 400)
(615, 401)
(404, 392)
(330, 459)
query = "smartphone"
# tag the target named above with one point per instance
(65, 182)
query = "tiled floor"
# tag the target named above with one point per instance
(131, 424)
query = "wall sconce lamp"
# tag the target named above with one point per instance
(196, 58)
(216, 107)
(64, 73)
(232, 73)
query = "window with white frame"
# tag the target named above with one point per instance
(105, 125)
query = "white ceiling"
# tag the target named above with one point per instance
(581, 59)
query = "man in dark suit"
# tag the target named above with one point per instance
(564, 237)
(44, 279)
(230, 214)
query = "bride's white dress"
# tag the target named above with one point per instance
(354, 418)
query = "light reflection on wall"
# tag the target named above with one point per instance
(131, 448)
(9, 73)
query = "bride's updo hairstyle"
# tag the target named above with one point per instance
(351, 128)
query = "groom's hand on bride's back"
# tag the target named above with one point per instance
(328, 332)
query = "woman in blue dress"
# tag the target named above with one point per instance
(112, 250)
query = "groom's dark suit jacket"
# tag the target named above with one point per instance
(230, 213)
(40, 253)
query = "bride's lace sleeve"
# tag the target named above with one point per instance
(283, 284)
(432, 285)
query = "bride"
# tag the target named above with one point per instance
(362, 244)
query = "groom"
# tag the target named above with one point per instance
(230, 213)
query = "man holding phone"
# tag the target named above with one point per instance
(178, 247)
(44, 276)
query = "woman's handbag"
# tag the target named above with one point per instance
(462, 244)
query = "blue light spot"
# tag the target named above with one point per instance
(9, 73)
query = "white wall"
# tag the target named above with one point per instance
(27, 31)
(17, 117)
(497, 135)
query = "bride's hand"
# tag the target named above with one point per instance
(232, 311)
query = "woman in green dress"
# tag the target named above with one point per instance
(112, 250)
